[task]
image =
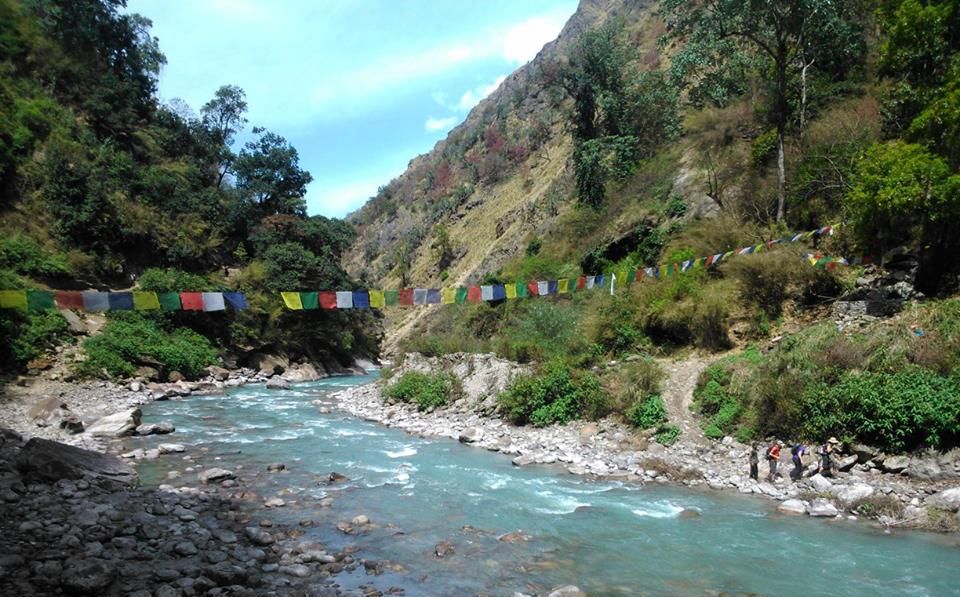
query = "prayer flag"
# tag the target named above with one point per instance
(600, 281)
(461, 295)
(13, 299)
(96, 301)
(419, 296)
(591, 280)
(631, 276)
(120, 301)
(310, 300)
(169, 301)
(448, 296)
(377, 300)
(236, 300)
(361, 299)
(391, 297)
(651, 272)
(552, 287)
(145, 301)
(328, 299)
(406, 296)
(533, 288)
(193, 301)
(68, 299)
(39, 300)
(563, 286)
(622, 277)
(486, 292)
(686, 265)
(474, 295)
(433, 296)
(499, 292)
(213, 301)
(291, 300)
(543, 288)
(511, 291)
(344, 299)
(522, 290)
(581, 282)
(613, 282)
(639, 274)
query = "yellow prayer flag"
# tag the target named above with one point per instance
(448, 296)
(13, 299)
(292, 300)
(759, 248)
(377, 299)
(622, 276)
(145, 301)
(511, 291)
(563, 286)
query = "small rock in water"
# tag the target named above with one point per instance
(274, 502)
(258, 536)
(360, 520)
(792, 507)
(335, 477)
(215, 475)
(276, 466)
(443, 549)
(689, 513)
(566, 591)
(514, 537)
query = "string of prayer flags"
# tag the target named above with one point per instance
(136, 300)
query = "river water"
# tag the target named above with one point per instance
(608, 538)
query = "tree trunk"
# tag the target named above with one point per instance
(781, 176)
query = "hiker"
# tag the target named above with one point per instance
(754, 461)
(797, 453)
(826, 456)
(773, 457)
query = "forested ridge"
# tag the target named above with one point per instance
(104, 186)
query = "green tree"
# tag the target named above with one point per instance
(784, 37)
(269, 176)
(222, 118)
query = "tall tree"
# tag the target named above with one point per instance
(269, 175)
(786, 36)
(222, 117)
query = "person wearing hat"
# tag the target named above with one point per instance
(826, 456)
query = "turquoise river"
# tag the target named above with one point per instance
(608, 538)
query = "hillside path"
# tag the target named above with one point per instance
(677, 396)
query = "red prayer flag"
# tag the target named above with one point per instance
(474, 295)
(533, 287)
(191, 301)
(581, 282)
(69, 299)
(327, 299)
(406, 296)
(640, 274)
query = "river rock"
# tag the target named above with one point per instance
(171, 448)
(360, 520)
(894, 464)
(276, 467)
(822, 507)
(864, 452)
(301, 373)
(470, 435)
(215, 475)
(298, 570)
(269, 364)
(443, 549)
(852, 493)
(948, 499)
(792, 507)
(161, 428)
(175, 376)
(925, 468)
(70, 422)
(277, 383)
(587, 431)
(86, 576)
(119, 424)
(514, 537)
(847, 462)
(820, 483)
(566, 591)
(45, 460)
(258, 536)
(218, 373)
(274, 502)
(524, 460)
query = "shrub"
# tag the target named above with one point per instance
(553, 396)
(876, 506)
(23, 255)
(667, 435)
(171, 280)
(132, 339)
(26, 336)
(426, 390)
(648, 412)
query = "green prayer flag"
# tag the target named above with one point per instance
(310, 300)
(522, 291)
(461, 295)
(631, 276)
(39, 300)
(391, 297)
(169, 301)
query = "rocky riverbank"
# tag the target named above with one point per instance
(895, 490)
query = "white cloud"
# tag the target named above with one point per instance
(472, 97)
(522, 41)
(439, 124)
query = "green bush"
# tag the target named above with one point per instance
(171, 280)
(26, 336)
(553, 396)
(131, 339)
(426, 390)
(24, 256)
(648, 412)
(667, 434)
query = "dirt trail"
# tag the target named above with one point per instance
(678, 395)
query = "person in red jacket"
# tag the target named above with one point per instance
(773, 457)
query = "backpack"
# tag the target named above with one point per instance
(796, 450)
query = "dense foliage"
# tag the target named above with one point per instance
(426, 390)
(556, 395)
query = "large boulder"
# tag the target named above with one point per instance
(43, 460)
(301, 373)
(269, 364)
(820, 483)
(162, 428)
(948, 499)
(470, 435)
(821, 507)
(792, 507)
(277, 383)
(218, 373)
(847, 462)
(864, 452)
(118, 424)
(88, 576)
(925, 468)
(894, 464)
(215, 475)
(853, 493)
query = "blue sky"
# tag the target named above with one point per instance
(359, 87)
